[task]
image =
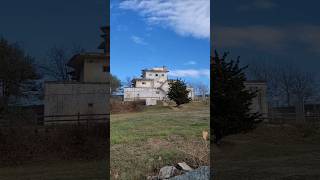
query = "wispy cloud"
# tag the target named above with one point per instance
(258, 5)
(192, 73)
(185, 17)
(190, 63)
(138, 40)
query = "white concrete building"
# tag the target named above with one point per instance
(86, 96)
(259, 103)
(151, 87)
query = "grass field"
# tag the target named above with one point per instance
(142, 142)
(270, 152)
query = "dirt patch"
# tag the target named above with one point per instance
(126, 107)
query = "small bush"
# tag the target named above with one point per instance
(127, 106)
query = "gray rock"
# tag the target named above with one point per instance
(184, 166)
(167, 172)
(202, 173)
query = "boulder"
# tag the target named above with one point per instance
(167, 172)
(184, 166)
(202, 173)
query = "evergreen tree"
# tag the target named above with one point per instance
(17, 72)
(178, 92)
(231, 102)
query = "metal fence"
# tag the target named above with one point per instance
(292, 117)
(76, 119)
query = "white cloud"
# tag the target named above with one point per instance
(138, 40)
(190, 63)
(185, 17)
(192, 73)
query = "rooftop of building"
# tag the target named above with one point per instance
(142, 79)
(79, 59)
(156, 69)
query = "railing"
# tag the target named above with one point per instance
(78, 118)
(292, 117)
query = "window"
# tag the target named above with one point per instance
(156, 74)
(106, 69)
(157, 92)
(143, 82)
(150, 74)
(162, 74)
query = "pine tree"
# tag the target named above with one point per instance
(231, 101)
(178, 92)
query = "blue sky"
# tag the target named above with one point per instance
(175, 34)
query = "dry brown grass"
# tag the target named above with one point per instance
(126, 107)
(143, 142)
(21, 145)
(269, 152)
(196, 152)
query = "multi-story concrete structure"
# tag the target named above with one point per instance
(86, 95)
(259, 103)
(152, 86)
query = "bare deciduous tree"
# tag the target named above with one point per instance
(57, 59)
(128, 82)
(284, 82)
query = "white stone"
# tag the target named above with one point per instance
(184, 166)
(167, 172)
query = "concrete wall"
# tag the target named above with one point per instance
(132, 94)
(93, 71)
(155, 87)
(259, 103)
(162, 76)
(148, 94)
(64, 99)
(143, 84)
(191, 93)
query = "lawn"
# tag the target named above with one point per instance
(142, 142)
(268, 153)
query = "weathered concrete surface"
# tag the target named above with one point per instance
(67, 99)
(152, 86)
